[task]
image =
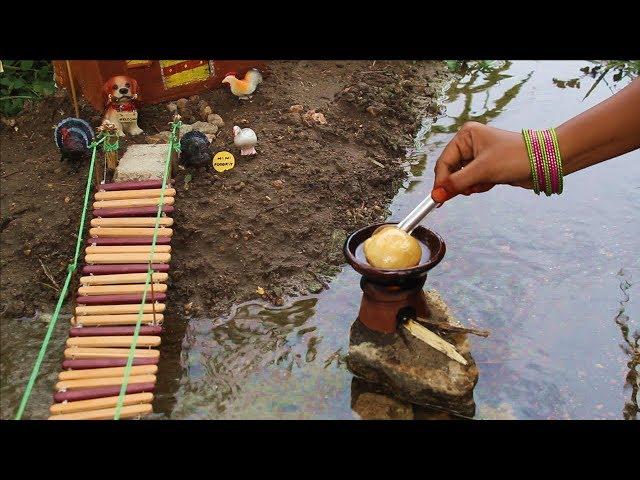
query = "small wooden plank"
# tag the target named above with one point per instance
(120, 299)
(145, 330)
(128, 411)
(122, 289)
(122, 278)
(132, 211)
(102, 232)
(99, 403)
(113, 341)
(126, 249)
(117, 258)
(118, 309)
(134, 185)
(81, 352)
(129, 194)
(106, 319)
(433, 340)
(102, 382)
(134, 202)
(453, 328)
(106, 372)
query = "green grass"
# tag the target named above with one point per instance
(24, 80)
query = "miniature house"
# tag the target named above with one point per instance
(159, 80)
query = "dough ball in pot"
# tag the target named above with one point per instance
(390, 248)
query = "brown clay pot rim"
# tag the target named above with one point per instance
(390, 276)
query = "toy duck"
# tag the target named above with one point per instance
(245, 139)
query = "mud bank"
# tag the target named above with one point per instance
(276, 222)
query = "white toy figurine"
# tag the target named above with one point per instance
(245, 139)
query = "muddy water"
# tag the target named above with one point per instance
(551, 278)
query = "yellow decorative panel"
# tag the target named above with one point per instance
(138, 63)
(182, 72)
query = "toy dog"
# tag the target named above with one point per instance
(120, 94)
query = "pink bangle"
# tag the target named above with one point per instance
(553, 161)
(537, 152)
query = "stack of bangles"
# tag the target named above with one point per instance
(544, 159)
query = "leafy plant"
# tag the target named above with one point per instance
(24, 80)
(468, 66)
(618, 69)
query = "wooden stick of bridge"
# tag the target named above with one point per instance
(153, 302)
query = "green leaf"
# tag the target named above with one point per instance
(26, 64)
(602, 75)
(452, 65)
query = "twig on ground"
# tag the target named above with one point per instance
(453, 328)
(48, 274)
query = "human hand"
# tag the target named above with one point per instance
(478, 158)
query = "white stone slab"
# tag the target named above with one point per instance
(142, 162)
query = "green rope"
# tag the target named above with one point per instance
(132, 350)
(111, 144)
(63, 293)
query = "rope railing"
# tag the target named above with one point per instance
(173, 145)
(108, 147)
(71, 268)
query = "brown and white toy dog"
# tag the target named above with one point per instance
(120, 94)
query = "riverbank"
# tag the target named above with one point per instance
(273, 224)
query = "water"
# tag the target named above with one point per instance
(551, 278)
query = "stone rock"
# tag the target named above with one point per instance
(375, 109)
(291, 118)
(314, 287)
(215, 119)
(185, 128)
(312, 117)
(296, 108)
(194, 98)
(319, 118)
(181, 103)
(374, 406)
(172, 107)
(204, 127)
(205, 112)
(277, 184)
(414, 371)
(142, 162)
(335, 255)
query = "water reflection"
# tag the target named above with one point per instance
(631, 348)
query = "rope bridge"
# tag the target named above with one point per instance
(110, 366)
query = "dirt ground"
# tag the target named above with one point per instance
(276, 221)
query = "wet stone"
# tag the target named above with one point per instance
(412, 370)
(314, 287)
(375, 406)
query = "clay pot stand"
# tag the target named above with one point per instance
(389, 296)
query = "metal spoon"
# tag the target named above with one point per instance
(425, 207)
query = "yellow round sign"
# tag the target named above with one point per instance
(223, 161)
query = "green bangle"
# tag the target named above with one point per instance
(532, 164)
(545, 164)
(554, 138)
